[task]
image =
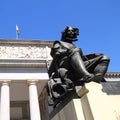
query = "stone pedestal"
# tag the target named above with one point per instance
(97, 104)
(72, 111)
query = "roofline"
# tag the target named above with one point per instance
(27, 42)
(112, 75)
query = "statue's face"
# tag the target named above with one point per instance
(70, 32)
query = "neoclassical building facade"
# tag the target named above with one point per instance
(23, 76)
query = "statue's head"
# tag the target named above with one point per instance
(70, 34)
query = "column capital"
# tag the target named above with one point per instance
(32, 82)
(5, 82)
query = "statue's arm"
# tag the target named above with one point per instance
(55, 53)
(52, 68)
(58, 50)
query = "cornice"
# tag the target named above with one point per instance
(26, 42)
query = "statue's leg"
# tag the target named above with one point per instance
(102, 66)
(79, 67)
(98, 64)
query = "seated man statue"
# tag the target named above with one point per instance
(70, 67)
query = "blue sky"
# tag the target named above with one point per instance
(98, 21)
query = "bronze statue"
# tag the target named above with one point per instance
(70, 67)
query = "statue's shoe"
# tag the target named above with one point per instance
(98, 78)
(95, 78)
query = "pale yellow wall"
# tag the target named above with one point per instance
(103, 106)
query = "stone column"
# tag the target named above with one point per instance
(33, 100)
(5, 100)
(0, 102)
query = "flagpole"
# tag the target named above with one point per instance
(16, 36)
